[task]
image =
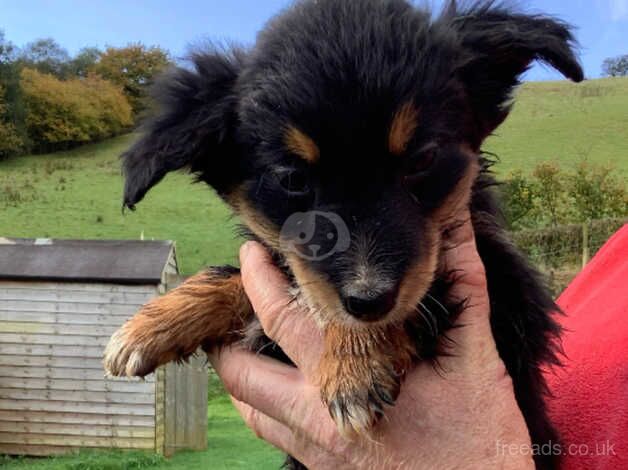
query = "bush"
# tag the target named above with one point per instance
(518, 193)
(552, 197)
(61, 114)
(550, 192)
(597, 192)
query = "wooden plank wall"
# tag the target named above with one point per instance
(53, 393)
(185, 411)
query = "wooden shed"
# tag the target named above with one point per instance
(59, 303)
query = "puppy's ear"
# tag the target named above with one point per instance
(193, 127)
(499, 46)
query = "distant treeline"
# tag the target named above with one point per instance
(50, 100)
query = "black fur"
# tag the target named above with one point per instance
(338, 71)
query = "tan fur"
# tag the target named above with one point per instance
(357, 361)
(402, 129)
(301, 145)
(207, 310)
(253, 219)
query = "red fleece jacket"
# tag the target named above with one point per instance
(590, 394)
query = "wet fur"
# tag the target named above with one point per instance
(239, 113)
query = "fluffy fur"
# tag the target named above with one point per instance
(373, 111)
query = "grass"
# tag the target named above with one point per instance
(77, 194)
(564, 123)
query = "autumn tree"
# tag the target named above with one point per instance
(61, 113)
(133, 68)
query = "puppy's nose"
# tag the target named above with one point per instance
(371, 306)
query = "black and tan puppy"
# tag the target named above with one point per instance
(345, 139)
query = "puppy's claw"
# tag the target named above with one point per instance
(356, 408)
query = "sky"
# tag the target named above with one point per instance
(602, 25)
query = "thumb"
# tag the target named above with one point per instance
(472, 339)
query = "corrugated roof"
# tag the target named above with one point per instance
(122, 261)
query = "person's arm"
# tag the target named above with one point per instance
(461, 414)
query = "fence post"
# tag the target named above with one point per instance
(585, 243)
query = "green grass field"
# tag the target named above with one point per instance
(77, 194)
(564, 122)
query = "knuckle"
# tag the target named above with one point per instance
(252, 420)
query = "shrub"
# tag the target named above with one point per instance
(517, 193)
(597, 192)
(60, 114)
(550, 192)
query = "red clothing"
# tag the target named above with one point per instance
(590, 394)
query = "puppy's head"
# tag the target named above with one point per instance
(347, 138)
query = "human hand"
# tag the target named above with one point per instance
(457, 416)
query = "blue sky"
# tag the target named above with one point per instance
(174, 24)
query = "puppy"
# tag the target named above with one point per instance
(345, 140)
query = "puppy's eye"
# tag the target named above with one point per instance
(421, 164)
(294, 182)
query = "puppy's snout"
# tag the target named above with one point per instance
(370, 306)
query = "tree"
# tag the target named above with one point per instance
(84, 62)
(133, 68)
(10, 141)
(7, 49)
(62, 114)
(46, 56)
(616, 66)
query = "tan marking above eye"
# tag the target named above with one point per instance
(301, 145)
(402, 129)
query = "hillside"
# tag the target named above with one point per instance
(566, 122)
(77, 194)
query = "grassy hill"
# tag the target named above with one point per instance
(566, 122)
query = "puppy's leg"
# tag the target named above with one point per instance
(360, 373)
(210, 309)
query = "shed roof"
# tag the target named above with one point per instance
(119, 262)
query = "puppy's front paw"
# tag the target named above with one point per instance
(357, 401)
(360, 374)
(209, 310)
(136, 350)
